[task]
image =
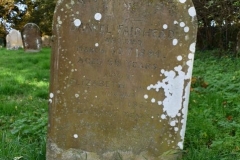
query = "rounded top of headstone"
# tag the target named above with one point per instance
(31, 24)
(13, 30)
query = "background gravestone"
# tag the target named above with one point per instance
(46, 41)
(7, 42)
(14, 39)
(120, 79)
(31, 38)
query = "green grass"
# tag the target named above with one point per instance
(213, 127)
(23, 104)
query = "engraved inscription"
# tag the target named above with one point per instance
(145, 32)
(134, 6)
(126, 31)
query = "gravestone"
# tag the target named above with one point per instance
(7, 42)
(14, 40)
(120, 79)
(46, 41)
(31, 38)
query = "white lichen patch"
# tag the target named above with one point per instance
(175, 42)
(192, 49)
(163, 116)
(182, 1)
(145, 96)
(75, 135)
(51, 95)
(77, 95)
(153, 100)
(192, 12)
(98, 16)
(182, 24)
(67, 6)
(59, 20)
(159, 103)
(77, 22)
(179, 58)
(173, 123)
(165, 26)
(186, 29)
(173, 86)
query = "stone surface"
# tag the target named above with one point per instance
(14, 40)
(120, 79)
(46, 41)
(31, 36)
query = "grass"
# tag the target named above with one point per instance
(23, 104)
(213, 128)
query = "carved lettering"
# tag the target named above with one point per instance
(126, 31)
(115, 62)
(97, 83)
(113, 74)
(92, 61)
(140, 65)
(121, 95)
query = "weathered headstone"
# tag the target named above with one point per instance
(120, 79)
(14, 39)
(46, 41)
(7, 42)
(31, 38)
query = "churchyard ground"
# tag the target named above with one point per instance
(23, 104)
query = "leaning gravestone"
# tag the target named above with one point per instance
(31, 38)
(14, 39)
(120, 79)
